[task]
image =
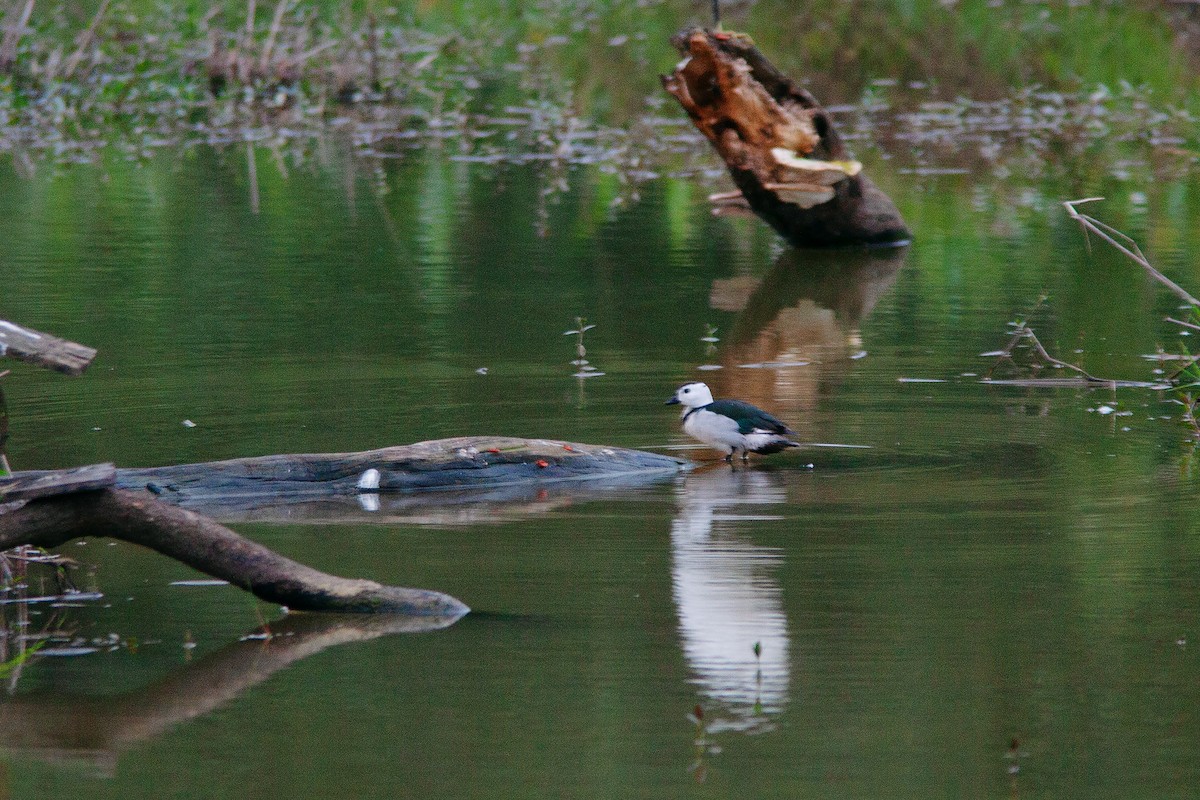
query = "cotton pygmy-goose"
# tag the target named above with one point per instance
(730, 426)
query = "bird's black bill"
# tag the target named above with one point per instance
(674, 401)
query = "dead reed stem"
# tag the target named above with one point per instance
(1111, 235)
(12, 37)
(85, 40)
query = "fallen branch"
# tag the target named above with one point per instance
(1132, 251)
(1024, 333)
(211, 548)
(467, 462)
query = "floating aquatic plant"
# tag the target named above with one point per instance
(583, 366)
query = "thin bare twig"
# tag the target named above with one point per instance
(12, 37)
(280, 9)
(1179, 322)
(251, 10)
(1024, 332)
(1111, 235)
(85, 39)
(1041, 351)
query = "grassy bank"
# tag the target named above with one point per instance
(573, 81)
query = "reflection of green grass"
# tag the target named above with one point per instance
(16, 662)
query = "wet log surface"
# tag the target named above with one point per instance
(469, 462)
(145, 507)
(780, 145)
(484, 505)
(43, 349)
(31, 485)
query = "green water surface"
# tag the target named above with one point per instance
(980, 591)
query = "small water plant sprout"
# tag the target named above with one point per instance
(584, 368)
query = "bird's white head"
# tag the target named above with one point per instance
(692, 395)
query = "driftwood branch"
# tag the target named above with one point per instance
(466, 462)
(1124, 245)
(146, 506)
(211, 548)
(781, 146)
(30, 486)
(43, 349)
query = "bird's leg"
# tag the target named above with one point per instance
(729, 457)
(745, 456)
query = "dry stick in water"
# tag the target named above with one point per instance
(212, 548)
(1110, 234)
(1025, 332)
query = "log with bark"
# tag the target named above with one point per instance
(781, 146)
(43, 349)
(201, 543)
(144, 506)
(466, 462)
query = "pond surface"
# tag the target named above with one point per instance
(957, 589)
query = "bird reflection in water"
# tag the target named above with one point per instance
(730, 606)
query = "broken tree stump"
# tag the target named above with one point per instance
(780, 144)
(43, 349)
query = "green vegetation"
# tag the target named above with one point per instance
(576, 81)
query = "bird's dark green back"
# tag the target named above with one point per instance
(748, 417)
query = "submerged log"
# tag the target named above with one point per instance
(28, 486)
(465, 462)
(43, 349)
(211, 548)
(780, 144)
(144, 507)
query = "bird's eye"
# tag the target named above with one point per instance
(685, 391)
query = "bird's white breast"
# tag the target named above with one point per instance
(715, 430)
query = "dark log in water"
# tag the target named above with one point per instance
(468, 462)
(32, 485)
(43, 349)
(144, 509)
(211, 548)
(780, 145)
